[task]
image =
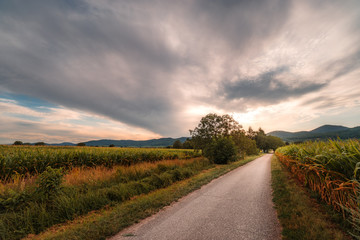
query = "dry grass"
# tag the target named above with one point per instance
(81, 175)
(17, 183)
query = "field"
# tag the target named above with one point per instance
(44, 186)
(330, 169)
(29, 160)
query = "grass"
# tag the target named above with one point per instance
(301, 217)
(108, 222)
(49, 202)
(79, 175)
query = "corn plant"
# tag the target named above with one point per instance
(329, 168)
(15, 160)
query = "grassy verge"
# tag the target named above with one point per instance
(300, 216)
(49, 202)
(108, 222)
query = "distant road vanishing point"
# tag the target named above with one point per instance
(237, 205)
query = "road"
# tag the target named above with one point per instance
(237, 205)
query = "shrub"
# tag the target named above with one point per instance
(221, 150)
(49, 181)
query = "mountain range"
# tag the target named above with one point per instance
(161, 142)
(321, 133)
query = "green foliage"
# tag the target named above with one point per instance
(266, 143)
(109, 222)
(188, 144)
(245, 145)
(213, 126)
(299, 217)
(40, 144)
(221, 150)
(49, 181)
(81, 144)
(336, 156)
(33, 160)
(331, 169)
(18, 143)
(177, 144)
(53, 206)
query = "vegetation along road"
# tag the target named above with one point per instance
(238, 205)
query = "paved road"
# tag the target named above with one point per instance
(235, 206)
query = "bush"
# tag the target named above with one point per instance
(49, 181)
(221, 150)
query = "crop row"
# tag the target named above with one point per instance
(51, 202)
(22, 160)
(329, 168)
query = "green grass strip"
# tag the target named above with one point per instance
(300, 216)
(105, 223)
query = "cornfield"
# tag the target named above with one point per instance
(32, 160)
(328, 168)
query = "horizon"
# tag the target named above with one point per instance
(78, 70)
(107, 139)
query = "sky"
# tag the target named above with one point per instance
(142, 69)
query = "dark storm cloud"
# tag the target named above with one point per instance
(46, 37)
(124, 59)
(242, 25)
(267, 88)
(61, 51)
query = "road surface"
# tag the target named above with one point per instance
(237, 205)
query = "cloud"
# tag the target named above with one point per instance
(60, 125)
(156, 65)
(120, 59)
(267, 88)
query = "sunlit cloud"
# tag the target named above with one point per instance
(61, 125)
(146, 69)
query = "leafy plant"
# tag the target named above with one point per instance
(49, 181)
(221, 150)
(328, 168)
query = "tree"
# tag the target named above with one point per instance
(251, 133)
(40, 144)
(275, 142)
(18, 143)
(188, 144)
(221, 150)
(266, 143)
(213, 126)
(262, 141)
(177, 144)
(81, 144)
(111, 145)
(245, 145)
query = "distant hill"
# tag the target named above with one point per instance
(161, 142)
(321, 133)
(329, 128)
(62, 144)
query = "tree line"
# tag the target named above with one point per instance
(221, 138)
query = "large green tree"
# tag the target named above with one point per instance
(213, 126)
